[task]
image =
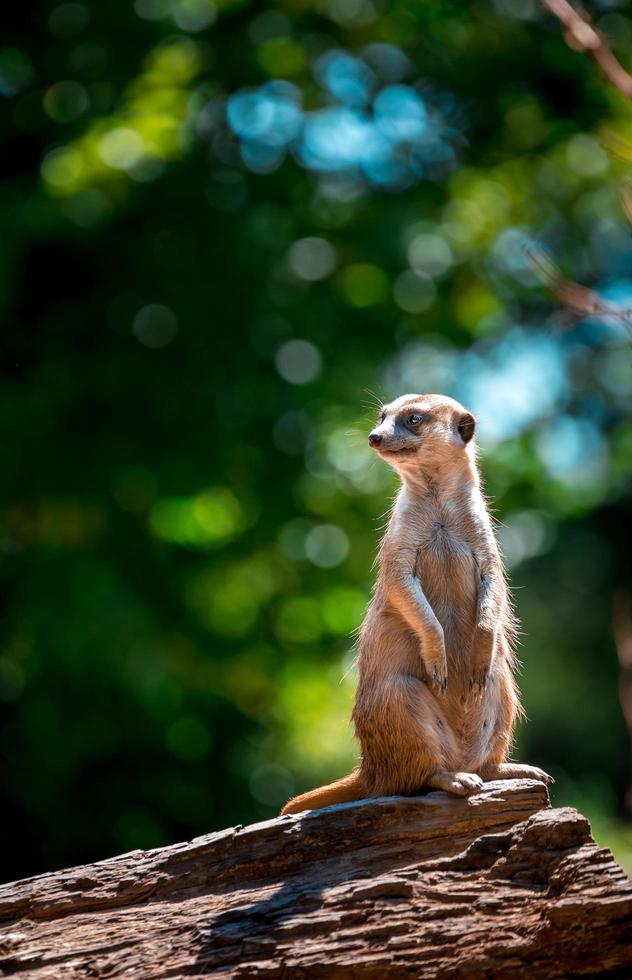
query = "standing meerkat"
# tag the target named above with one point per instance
(437, 700)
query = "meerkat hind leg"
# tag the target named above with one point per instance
(514, 770)
(458, 783)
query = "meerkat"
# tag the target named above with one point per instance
(437, 699)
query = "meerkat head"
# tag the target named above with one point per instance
(417, 432)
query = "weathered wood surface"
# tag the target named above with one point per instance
(494, 886)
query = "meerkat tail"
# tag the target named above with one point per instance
(345, 790)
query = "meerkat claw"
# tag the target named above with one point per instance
(476, 688)
(439, 681)
(469, 780)
(478, 683)
(540, 774)
(517, 770)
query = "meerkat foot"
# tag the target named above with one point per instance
(457, 783)
(515, 770)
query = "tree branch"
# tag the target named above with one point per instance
(579, 302)
(580, 35)
(497, 885)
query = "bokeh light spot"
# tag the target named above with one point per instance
(430, 254)
(414, 291)
(298, 361)
(68, 19)
(363, 285)
(66, 101)
(62, 168)
(121, 148)
(327, 546)
(312, 258)
(270, 115)
(585, 156)
(347, 79)
(207, 520)
(525, 534)
(387, 61)
(194, 15)
(568, 445)
(152, 9)
(400, 113)
(155, 325)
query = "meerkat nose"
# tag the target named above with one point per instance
(374, 439)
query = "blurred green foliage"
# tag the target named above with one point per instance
(228, 231)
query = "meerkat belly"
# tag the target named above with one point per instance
(448, 573)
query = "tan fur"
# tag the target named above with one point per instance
(437, 701)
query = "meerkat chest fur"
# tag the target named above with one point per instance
(446, 530)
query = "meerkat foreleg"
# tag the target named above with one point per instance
(407, 596)
(488, 617)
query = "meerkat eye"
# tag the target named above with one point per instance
(414, 419)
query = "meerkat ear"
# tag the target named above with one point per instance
(466, 426)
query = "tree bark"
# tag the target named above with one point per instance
(497, 885)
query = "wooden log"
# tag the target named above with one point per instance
(497, 885)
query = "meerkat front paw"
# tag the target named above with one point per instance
(437, 673)
(482, 659)
(478, 680)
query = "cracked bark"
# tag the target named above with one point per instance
(497, 885)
